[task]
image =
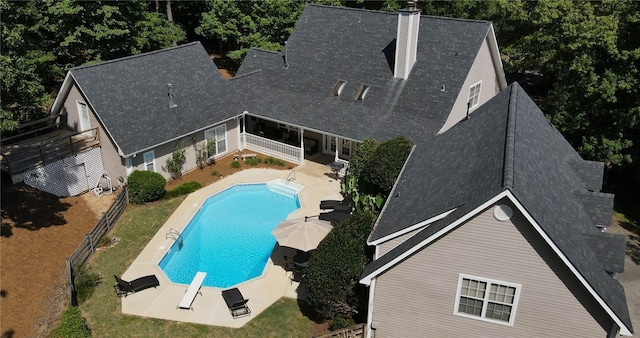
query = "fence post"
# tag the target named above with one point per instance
(72, 284)
(90, 242)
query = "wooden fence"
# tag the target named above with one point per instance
(88, 246)
(356, 331)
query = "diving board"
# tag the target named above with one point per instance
(192, 291)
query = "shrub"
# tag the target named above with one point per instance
(274, 161)
(204, 152)
(72, 325)
(364, 151)
(340, 323)
(175, 163)
(235, 164)
(86, 283)
(216, 173)
(145, 186)
(385, 164)
(183, 189)
(336, 265)
(253, 161)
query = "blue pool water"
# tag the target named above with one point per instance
(230, 238)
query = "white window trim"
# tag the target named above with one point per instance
(129, 165)
(214, 131)
(489, 281)
(153, 162)
(81, 125)
(470, 98)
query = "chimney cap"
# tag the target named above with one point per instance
(411, 6)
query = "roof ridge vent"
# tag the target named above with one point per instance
(172, 96)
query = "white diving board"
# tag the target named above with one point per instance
(192, 291)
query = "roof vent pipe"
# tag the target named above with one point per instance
(406, 40)
(172, 104)
(284, 57)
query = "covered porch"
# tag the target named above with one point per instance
(295, 143)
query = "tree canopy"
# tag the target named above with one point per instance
(579, 60)
(41, 40)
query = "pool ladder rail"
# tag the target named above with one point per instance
(291, 176)
(176, 236)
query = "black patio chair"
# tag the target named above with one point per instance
(124, 288)
(335, 217)
(335, 205)
(236, 303)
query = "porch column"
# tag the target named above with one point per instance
(336, 152)
(301, 145)
(241, 144)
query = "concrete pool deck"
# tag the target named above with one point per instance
(209, 308)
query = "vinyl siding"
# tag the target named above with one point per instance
(483, 70)
(416, 297)
(387, 246)
(163, 152)
(111, 161)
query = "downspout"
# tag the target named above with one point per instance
(301, 145)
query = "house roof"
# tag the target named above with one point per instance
(506, 146)
(130, 95)
(357, 46)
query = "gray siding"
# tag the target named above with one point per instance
(163, 152)
(111, 161)
(481, 70)
(385, 247)
(416, 297)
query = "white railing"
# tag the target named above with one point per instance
(270, 147)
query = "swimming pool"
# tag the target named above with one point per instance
(230, 238)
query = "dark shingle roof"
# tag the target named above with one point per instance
(590, 172)
(331, 43)
(609, 248)
(468, 165)
(599, 207)
(130, 95)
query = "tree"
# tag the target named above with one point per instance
(43, 39)
(585, 58)
(336, 265)
(238, 26)
(373, 170)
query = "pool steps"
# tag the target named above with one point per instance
(284, 187)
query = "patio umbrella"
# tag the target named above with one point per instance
(303, 234)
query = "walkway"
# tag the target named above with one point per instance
(209, 308)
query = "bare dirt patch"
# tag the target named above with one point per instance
(39, 231)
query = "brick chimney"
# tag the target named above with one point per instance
(407, 40)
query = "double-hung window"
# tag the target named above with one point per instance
(474, 95)
(219, 136)
(486, 299)
(149, 161)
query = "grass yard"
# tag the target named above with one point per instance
(136, 227)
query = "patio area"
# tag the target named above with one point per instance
(209, 308)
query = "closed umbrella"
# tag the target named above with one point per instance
(302, 234)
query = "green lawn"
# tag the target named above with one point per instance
(136, 226)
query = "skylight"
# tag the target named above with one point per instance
(362, 92)
(337, 89)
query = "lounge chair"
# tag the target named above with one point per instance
(236, 303)
(335, 217)
(334, 205)
(124, 288)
